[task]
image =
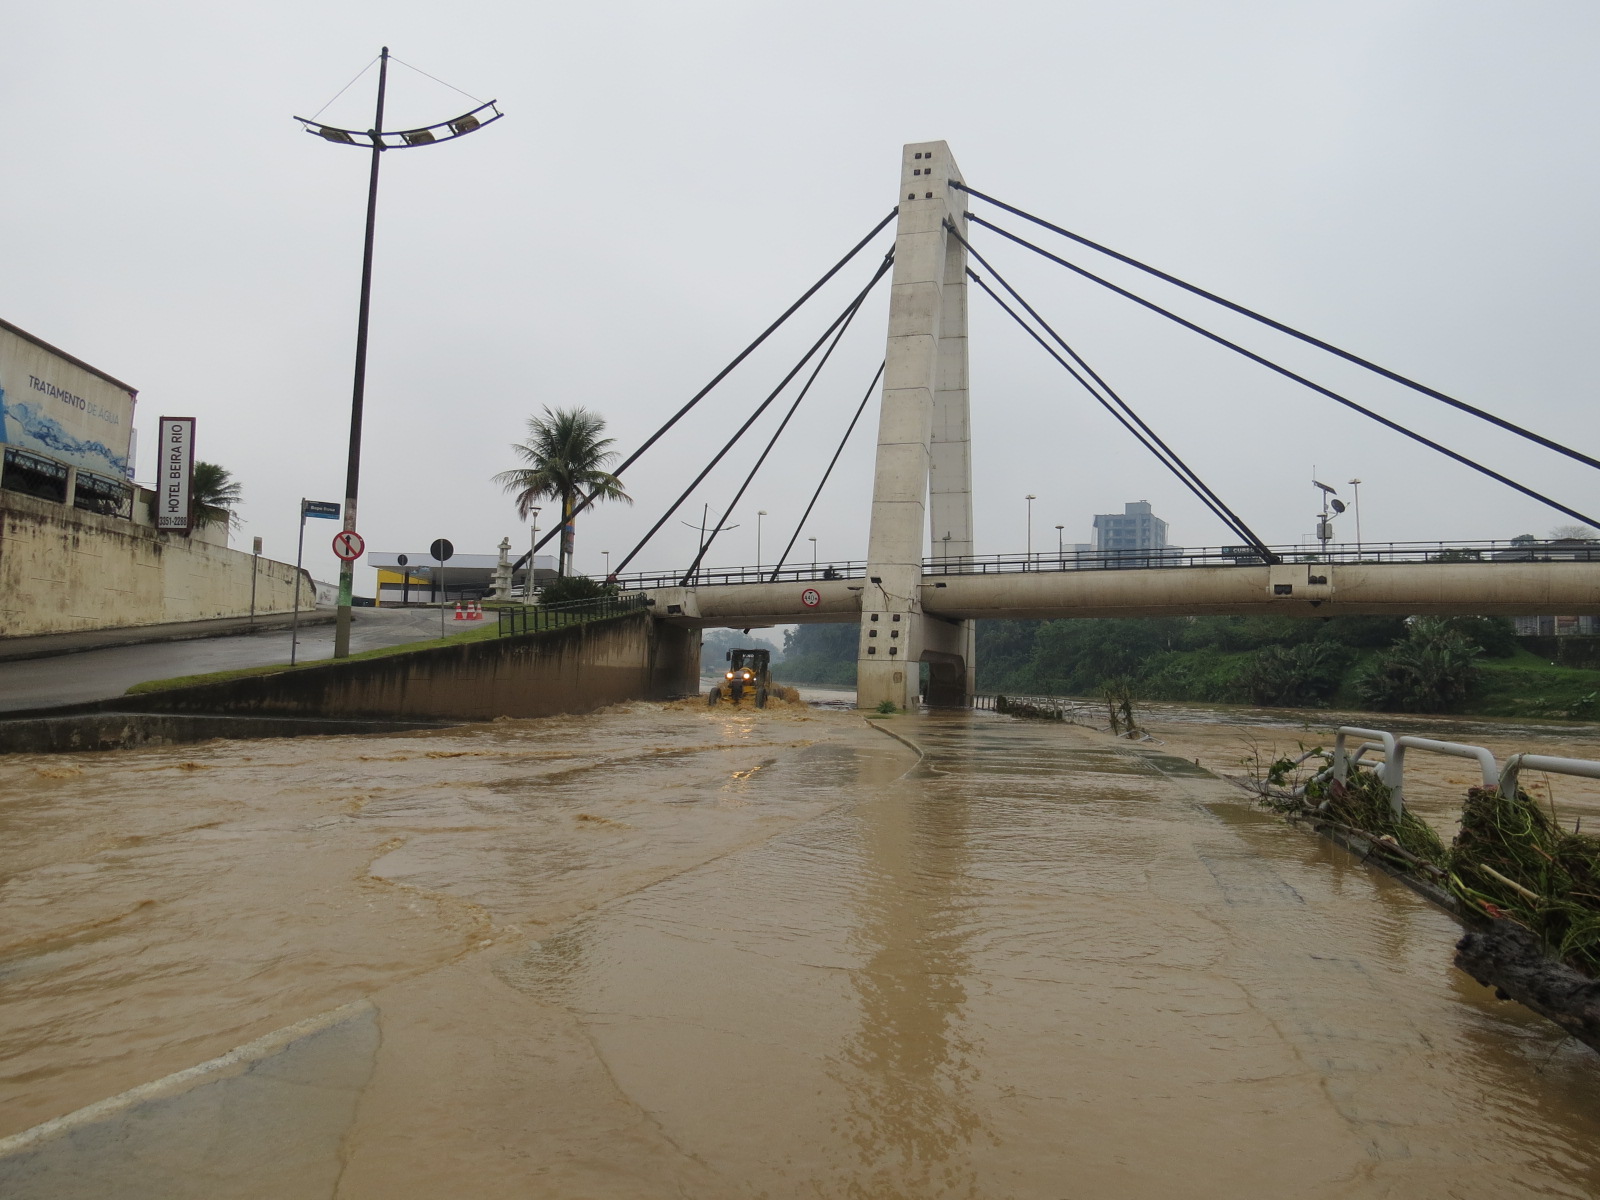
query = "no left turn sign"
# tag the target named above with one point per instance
(349, 545)
(811, 597)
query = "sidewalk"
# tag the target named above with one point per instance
(48, 645)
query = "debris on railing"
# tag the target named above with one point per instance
(1529, 888)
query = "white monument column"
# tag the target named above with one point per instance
(922, 433)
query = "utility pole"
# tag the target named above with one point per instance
(375, 139)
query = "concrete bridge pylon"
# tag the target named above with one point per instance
(923, 476)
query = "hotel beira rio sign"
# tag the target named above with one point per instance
(174, 498)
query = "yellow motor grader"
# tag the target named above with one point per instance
(748, 671)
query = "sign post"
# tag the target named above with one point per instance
(441, 551)
(308, 508)
(175, 498)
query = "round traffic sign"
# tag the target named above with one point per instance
(811, 597)
(348, 545)
(441, 550)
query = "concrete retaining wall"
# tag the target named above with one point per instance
(125, 730)
(570, 670)
(63, 569)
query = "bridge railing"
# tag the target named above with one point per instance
(1246, 556)
(1486, 552)
(706, 576)
(538, 618)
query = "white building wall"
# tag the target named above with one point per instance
(62, 569)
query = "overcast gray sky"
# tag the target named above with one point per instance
(1413, 181)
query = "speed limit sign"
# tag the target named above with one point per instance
(811, 597)
(348, 545)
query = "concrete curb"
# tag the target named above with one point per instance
(234, 1062)
(905, 741)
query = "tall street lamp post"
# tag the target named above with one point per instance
(813, 542)
(1031, 499)
(1061, 546)
(1355, 503)
(759, 514)
(378, 140)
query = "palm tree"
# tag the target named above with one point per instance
(564, 458)
(216, 494)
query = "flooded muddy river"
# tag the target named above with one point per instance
(665, 951)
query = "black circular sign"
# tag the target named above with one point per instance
(401, 559)
(442, 550)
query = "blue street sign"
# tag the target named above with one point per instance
(321, 508)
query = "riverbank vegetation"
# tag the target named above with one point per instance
(1470, 665)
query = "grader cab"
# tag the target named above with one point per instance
(748, 671)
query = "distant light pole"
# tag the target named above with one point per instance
(1061, 546)
(375, 137)
(759, 514)
(1031, 499)
(527, 583)
(813, 542)
(1355, 503)
(255, 566)
(607, 553)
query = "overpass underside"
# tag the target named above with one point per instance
(1309, 590)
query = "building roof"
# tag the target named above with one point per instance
(62, 354)
(420, 559)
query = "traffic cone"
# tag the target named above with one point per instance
(459, 615)
(477, 611)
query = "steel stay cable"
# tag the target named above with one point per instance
(1185, 474)
(1288, 374)
(805, 516)
(883, 268)
(1216, 506)
(346, 87)
(718, 378)
(436, 79)
(773, 441)
(1394, 376)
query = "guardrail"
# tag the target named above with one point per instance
(541, 617)
(1392, 770)
(1587, 768)
(1077, 712)
(1482, 552)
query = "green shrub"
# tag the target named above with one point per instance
(1431, 671)
(567, 588)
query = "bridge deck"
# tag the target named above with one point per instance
(1481, 588)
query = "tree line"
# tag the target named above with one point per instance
(1391, 664)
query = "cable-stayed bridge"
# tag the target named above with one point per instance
(913, 609)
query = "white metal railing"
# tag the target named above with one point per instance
(1587, 768)
(1392, 770)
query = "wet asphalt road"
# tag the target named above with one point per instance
(102, 674)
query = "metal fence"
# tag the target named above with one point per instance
(1078, 712)
(541, 617)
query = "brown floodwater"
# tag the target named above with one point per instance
(666, 951)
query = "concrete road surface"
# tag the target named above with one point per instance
(102, 674)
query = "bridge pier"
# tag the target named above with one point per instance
(923, 478)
